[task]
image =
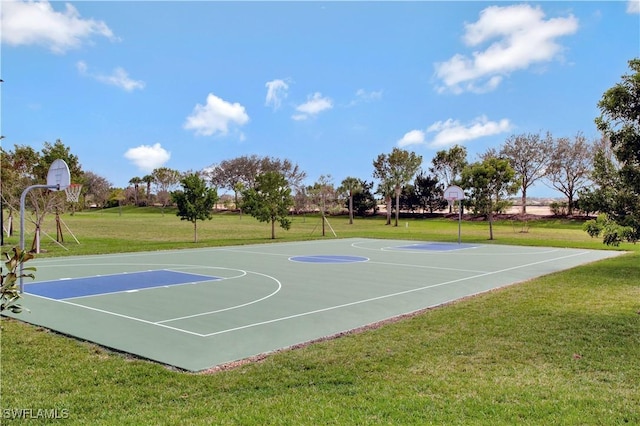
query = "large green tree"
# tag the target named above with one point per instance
(429, 192)
(396, 169)
(269, 200)
(195, 201)
(364, 202)
(619, 122)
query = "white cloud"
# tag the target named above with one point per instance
(119, 77)
(633, 6)
(451, 132)
(523, 36)
(363, 95)
(315, 104)
(29, 23)
(215, 116)
(147, 158)
(276, 91)
(413, 137)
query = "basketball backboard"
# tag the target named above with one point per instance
(58, 176)
(453, 193)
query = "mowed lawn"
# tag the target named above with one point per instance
(560, 349)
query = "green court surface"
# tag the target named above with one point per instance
(202, 308)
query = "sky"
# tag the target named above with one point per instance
(133, 86)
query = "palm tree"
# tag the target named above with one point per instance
(135, 181)
(148, 179)
(350, 186)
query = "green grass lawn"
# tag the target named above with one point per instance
(560, 349)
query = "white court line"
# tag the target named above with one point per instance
(230, 307)
(256, 252)
(317, 310)
(400, 293)
(411, 265)
(161, 323)
(115, 314)
(135, 290)
(460, 251)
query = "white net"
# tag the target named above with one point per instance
(73, 192)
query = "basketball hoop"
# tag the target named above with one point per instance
(452, 194)
(73, 192)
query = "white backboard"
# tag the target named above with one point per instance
(453, 193)
(59, 175)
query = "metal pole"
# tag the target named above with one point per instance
(459, 218)
(23, 197)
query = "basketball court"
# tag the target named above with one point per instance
(197, 309)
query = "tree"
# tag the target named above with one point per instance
(9, 282)
(244, 170)
(96, 188)
(165, 179)
(570, 166)
(195, 201)
(600, 196)
(488, 181)
(323, 195)
(16, 173)
(385, 188)
(447, 166)
(269, 200)
(50, 153)
(409, 199)
(619, 122)
(30, 168)
(397, 169)
(135, 181)
(364, 201)
(148, 179)
(429, 192)
(529, 155)
(350, 186)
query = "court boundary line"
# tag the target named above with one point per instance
(358, 302)
(162, 324)
(357, 245)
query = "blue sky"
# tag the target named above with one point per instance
(131, 86)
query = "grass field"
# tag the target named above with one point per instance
(561, 349)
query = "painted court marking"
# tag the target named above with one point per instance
(69, 288)
(53, 285)
(328, 259)
(304, 291)
(162, 323)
